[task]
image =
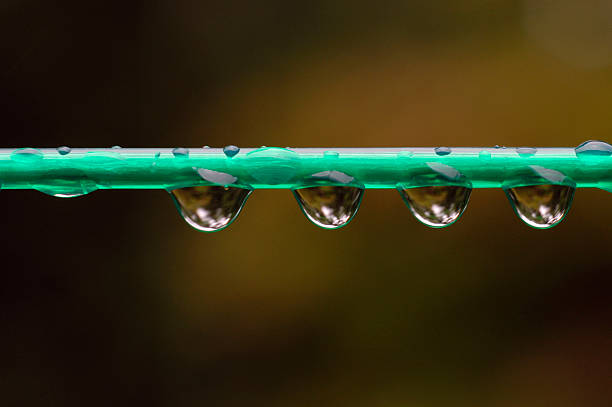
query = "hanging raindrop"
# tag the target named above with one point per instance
(67, 188)
(210, 208)
(329, 207)
(437, 206)
(541, 206)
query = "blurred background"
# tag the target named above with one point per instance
(111, 299)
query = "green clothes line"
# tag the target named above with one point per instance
(210, 186)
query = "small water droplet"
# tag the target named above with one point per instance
(594, 148)
(331, 154)
(484, 155)
(497, 146)
(180, 152)
(231, 151)
(116, 147)
(157, 154)
(329, 207)
(541, 206)
(26, 155)
(442, 150)
(210, 208)
(526, 151)
(206, 147)
(63, 150)
(437, 206)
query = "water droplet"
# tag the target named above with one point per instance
(484, 155)
(273, 165)
(231, 151)
(67, 188)
(437, 206)
(116, 147)
(206, 147)
(497, 146)
(157, 154)
(63, 150)
(210, 208)
(180, 152)
(329, 207)
(26, 155)
(594, 148)
(442, 150)
(331, 154)
(526, 151)
(541, 206)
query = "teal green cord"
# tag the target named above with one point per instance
(64, 171)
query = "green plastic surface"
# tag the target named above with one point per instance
(71, 172)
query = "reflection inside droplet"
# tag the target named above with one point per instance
(329, 207)
(437, 206)
(210, 208)
(541, 206)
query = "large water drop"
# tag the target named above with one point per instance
(329, 207)
(437, 206)
(594, 147)
(210, 208)
(541, 206)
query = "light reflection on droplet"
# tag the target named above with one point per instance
(437, 206)
(541, 206)
(327, 206)
(210, 208)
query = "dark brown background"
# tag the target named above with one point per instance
(110, 299)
